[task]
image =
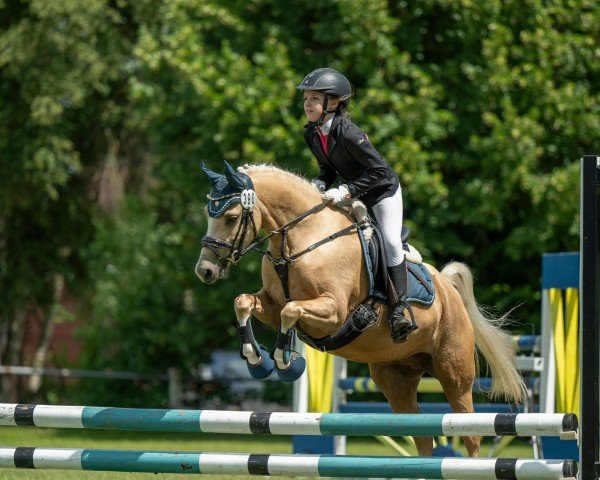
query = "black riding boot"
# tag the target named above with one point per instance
(400, 326)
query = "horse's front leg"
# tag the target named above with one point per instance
(261, 305)
(318, 312)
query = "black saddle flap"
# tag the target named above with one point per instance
(378, 262)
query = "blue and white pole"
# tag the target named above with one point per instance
(288, 465)
(287, 423)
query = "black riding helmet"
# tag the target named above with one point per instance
(332, 83)
(329, 81)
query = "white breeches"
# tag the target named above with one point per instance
(388, 213)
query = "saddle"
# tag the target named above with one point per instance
(420, 290)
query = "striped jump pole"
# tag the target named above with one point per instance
(288, 423)
(289, 465)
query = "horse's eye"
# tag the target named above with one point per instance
(231, 220)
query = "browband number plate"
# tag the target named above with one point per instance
(248, 199)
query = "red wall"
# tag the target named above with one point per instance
(64, 348)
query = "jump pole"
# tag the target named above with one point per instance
(289, 423)
(289, 465)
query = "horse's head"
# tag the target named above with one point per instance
(232, 225)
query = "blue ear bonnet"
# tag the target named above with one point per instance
(227, 189)
(223, 196)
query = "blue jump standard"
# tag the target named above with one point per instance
(286, 423)
(427, 407)
(366, 384)
(292, 465)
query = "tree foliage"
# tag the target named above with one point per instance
(107, 108)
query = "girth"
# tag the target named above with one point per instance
(364, 317)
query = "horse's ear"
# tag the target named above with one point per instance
(233, 177)
(211, 176)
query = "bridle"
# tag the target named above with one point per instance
(236, 250)
(235, 247)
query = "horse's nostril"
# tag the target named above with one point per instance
(208, 273)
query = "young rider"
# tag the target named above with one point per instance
(343, 150)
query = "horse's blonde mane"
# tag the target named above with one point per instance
(299, 181)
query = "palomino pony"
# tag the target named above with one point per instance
(326, 283)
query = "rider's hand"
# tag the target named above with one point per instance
(319, 184)
(337, 195)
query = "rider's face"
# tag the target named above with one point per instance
(313, 105)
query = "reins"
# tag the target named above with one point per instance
(281, 264)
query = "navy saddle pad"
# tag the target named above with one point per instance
(420, 284)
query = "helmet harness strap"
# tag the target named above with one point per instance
(325, 111)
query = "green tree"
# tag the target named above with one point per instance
(107, 108)
(63, 152)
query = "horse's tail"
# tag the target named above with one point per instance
(493, 342)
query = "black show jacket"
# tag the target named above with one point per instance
(352, 157)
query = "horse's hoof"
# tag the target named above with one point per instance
(263, 368)
(294, 370)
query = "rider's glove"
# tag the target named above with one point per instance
(319, 184)
(337, 195)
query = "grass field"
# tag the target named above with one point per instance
(40, 437)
